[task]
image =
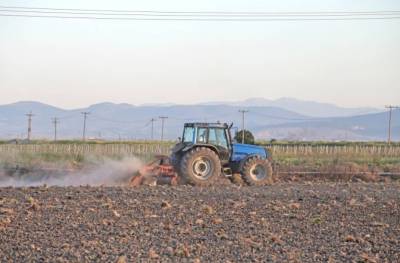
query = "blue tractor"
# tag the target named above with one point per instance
(205, 152)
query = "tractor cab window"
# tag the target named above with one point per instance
(202, 135)
(188, 134)
(218, 137)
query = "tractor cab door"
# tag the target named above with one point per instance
(218, 138)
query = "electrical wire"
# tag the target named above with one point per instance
(204, 12)
(154, 15)
(70, 116)
(94, 116)
(286, 118)
(199, 19)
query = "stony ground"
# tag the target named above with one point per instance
(301, 222)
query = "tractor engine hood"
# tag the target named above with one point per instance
(241, 151)
(178, 147)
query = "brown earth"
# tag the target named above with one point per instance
(297, 222)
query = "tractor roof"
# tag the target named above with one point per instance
(207, 125)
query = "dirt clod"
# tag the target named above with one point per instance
(288, 222)
(208, 210)
(121, 259)
(165, 205)
(350, 238)
(153, 254)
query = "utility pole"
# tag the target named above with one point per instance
(85, 114)
(152, 128)
(30, 115)
(390, 107)
(162, 126)
(55, 122)
(243, 113)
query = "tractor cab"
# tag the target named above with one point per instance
(218, 137)
(214, 135)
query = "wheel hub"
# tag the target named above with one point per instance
(202, 168)
(258, 172)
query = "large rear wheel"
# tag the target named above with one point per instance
(257, 171)
(200, 166)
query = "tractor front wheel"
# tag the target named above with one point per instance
(257, 171)
(200, 166)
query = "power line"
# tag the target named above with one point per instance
(205, 19)
(152, 128)
(85, 114)
(200, 12)
(390, 107)
(243, 113)
(155, 15)
(163, 118)
(55, 121)
(196, 14)
(293, 119)
(65, 117)
(286, 118)
(29, 115)
(117, 121)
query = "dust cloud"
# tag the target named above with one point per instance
(105, 172)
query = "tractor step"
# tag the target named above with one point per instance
(227, 172)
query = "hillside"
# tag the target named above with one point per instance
(113, 121)
(124, 121)
(361, 127)
(305, 107)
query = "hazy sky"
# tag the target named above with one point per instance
(73, 63)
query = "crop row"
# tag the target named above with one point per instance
(151, 148)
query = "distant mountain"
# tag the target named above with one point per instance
(362, 127)
(124, 121)
(157, 104)
(111, 121)
(13, 121)
(309, 108)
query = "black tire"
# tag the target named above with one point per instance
(256, 171)
(200, 166)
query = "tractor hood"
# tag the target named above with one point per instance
(178, 147)
(241, 151)
(182, 147)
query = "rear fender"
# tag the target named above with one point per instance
(190, 147)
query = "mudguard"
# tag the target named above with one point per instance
(191, 146)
